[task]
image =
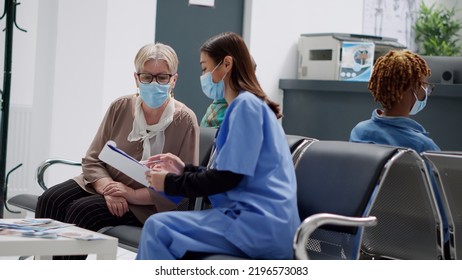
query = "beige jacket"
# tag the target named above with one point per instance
(181, 139)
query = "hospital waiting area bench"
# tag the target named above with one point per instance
(129, 235)
(363, 201)
(355, 201)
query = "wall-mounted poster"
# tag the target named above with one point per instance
(391, 18)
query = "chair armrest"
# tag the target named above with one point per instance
(47, 163)
(310, 224)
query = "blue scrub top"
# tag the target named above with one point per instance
(252, 142)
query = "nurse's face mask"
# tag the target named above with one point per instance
(213, 90)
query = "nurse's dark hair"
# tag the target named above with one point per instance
(242, 75)
(394, 73)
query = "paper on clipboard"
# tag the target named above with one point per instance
(131, 167)
(117, 158)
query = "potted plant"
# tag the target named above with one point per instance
(436, 31)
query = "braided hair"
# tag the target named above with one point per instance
(394, 73)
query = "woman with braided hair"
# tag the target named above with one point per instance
(399, 83)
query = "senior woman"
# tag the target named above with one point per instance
(143, 124)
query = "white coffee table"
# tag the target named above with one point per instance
(43, 248)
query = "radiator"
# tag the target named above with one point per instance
(18, 150)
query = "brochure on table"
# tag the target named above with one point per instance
(42, 228)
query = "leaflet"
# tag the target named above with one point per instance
(42, 228)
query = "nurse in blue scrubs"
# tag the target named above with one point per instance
(250, 181)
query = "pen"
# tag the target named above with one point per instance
(144, 162)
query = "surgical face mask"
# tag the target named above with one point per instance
(213, 90)
(153, 94)
(419, 104)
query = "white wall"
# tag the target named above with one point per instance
(275, 27)
(94, 65)
(24, 76)
(23, 57)
(76, 57)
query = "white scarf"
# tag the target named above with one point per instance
(153, 136)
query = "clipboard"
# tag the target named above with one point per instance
(130, 166)
(125, 163)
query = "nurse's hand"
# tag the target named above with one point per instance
(156, 178)
(168, 162)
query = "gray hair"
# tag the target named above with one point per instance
(157, 51)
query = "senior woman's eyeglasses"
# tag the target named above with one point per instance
(429, 87)
(161, 79)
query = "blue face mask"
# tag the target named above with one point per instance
(213, 90)
(419, 104)
(153, 94)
